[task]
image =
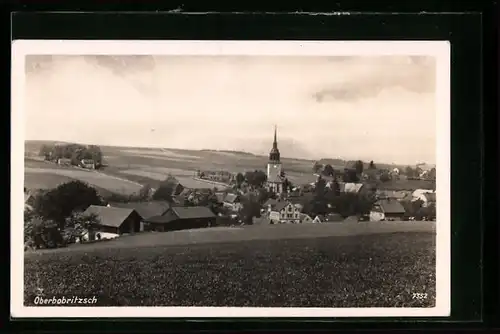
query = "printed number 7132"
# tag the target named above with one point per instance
(419, 296)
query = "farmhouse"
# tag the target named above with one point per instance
(232, 202)
(417, 194)
(87, 163)
(64, 162)
(181, 218)
(387, 209)
(284, 212)
(115, 221)
(145, 209)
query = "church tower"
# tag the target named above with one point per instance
(274, 168)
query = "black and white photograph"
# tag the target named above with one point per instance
(230, 179)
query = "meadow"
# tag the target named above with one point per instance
(44, 175)
(340, 269)
(152, 165)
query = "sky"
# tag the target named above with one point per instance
(370, 108)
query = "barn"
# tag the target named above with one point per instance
(182, 218)
(115, 221)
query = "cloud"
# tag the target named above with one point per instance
(415, 74)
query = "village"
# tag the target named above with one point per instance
(220, 198)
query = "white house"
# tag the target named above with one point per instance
(418, 193)
(284, 212)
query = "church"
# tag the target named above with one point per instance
(275, 176)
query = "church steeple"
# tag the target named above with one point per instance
(274, 155)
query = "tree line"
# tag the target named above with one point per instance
(75, 152)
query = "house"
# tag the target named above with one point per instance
(318, 219)
(305, 218)
(64, 162)
(232, 202)
(284, 212)
(387, 209)
(391, 194)
(270, 204)
(145, 209)
(114, 221)
(301, 201)
(349, 187)
(428, 199)
(29, 199)
(87, 163)
(182, 218)
(417, 194)
(220, 197)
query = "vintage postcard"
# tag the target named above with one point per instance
(230, 179)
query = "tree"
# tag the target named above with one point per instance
(166, 190)
(58, 204)
(350, 175)
(256, 178)
(372, 165)
(358, 166)
(250, 208)
(94, 152)
(409, 172)
(351, 204)
(328, 170)
(240, 178)
(319, 202)
(432, 174)
(78, 223)
(385, 177)
(317, 167)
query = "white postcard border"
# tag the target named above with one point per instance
(439, 49)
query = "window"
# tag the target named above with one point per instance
(289, 215)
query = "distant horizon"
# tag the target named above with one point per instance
(229, 150)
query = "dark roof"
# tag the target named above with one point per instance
(189, 212)
(302, 199)
(231, 198)
(280, 206)
(271, 202)
(145, 209)
(334, 217)
(109, 216)
(391, 206)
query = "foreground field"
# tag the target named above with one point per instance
(371, 270)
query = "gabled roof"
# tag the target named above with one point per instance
(192, 212)
(231, 198)
(304, 216)
(109, 216)
(390, 206)
(271, 201)
(349, 187)
(145, 209)
(280, 206)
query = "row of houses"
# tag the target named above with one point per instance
(84, 163)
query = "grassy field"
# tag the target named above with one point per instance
(343, 269)
(44, 175)
(151, 165)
